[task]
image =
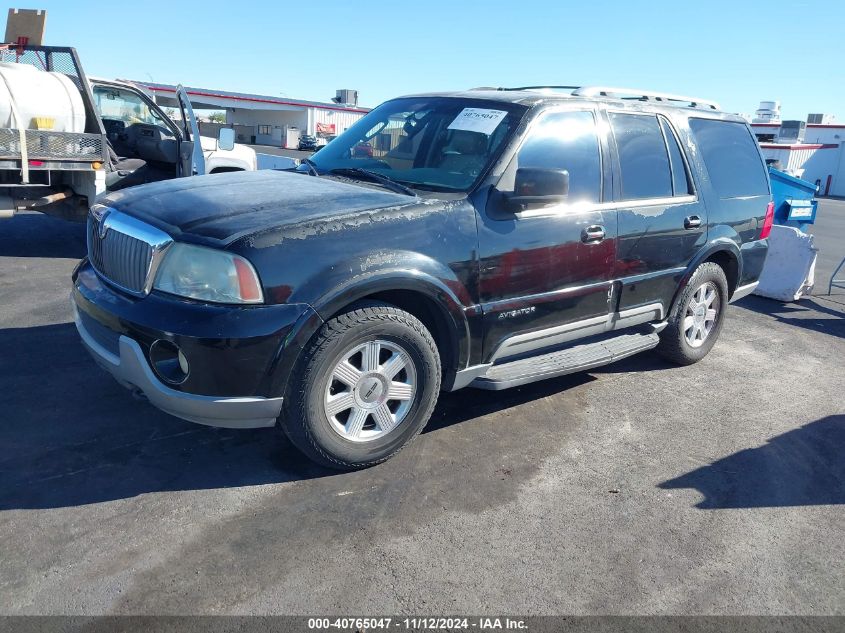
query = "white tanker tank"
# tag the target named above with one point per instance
(35, 99)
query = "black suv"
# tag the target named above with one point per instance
(491, 238)
(307, 142)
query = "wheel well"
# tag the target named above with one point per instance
(727, 262)
(221, 170)
(433, 317)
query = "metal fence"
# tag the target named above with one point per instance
(60, 60)
(50, 145)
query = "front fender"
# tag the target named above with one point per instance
(439, 288)
(384, 272)
(289, 351)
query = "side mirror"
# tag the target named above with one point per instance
(226, 139)
(535, 185)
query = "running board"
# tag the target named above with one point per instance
(565, 361)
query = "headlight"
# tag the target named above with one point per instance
(208, 275)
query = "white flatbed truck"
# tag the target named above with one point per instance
(65, 140)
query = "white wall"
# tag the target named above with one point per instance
(279, 120)
(756, 128)
(825, 134)
(341, 120)
(811, 165)
(838, 186)
(305, 120)
(812, 133)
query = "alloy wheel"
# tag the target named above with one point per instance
(370, 391)
(701, 314)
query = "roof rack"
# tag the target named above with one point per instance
(621, 93)
(540, 88)
(642, 95)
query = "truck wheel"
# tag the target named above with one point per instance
(697, 316)
(364, 387)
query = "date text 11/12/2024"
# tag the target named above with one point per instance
(417, 623)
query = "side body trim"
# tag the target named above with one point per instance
(560, 209)
(548, 337)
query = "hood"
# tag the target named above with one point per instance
(208, 143)
(239, 156)
(225, 207)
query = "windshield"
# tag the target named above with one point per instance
(434, 143)
(124, 105)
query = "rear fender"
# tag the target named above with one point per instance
(721, 243)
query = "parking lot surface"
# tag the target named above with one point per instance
(280, 151)
(639, 488)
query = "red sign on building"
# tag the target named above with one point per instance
(325, 129)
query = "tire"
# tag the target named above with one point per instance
(690, 334)
(338, 408)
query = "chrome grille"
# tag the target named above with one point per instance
(123, 250)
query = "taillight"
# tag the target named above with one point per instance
(768, 221)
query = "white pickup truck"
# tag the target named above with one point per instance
(65, 140)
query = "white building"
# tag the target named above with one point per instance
(268, 120)
(812, 150)
(817, 158)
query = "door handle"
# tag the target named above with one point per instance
(692, 222)
(594, 233)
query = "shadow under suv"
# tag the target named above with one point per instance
(490, 239)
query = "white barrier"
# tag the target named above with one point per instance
(789, 272)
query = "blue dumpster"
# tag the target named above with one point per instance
(795, 203)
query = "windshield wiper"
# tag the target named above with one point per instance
(389, 183)
(312, 168)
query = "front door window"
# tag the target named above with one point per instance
(567, 140)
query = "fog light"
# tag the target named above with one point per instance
(168, 362)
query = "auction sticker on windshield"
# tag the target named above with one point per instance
(477, 120)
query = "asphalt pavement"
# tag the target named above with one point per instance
(270, 157)
(639, 488)
(280, 151)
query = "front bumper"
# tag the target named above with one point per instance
(132, 370)
(236, 355)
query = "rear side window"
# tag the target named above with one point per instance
(731, 156)
(680, 178)
(642, 156)
(567, 140)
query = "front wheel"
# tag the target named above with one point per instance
(697, 316)
(363, 388)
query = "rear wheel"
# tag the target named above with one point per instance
(364, 387)
(696, 319)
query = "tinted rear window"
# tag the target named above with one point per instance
(731, 156)
(642, 156)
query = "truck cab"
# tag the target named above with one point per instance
(145, 139)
